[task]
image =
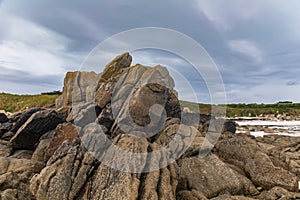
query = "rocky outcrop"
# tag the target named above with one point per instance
(122, 134)
(37, 125)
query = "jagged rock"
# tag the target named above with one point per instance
(22, 118)
(3, 118)
(278, 193)
(129, 102)
(212, 177)
(16, 173)
(78, 87)
(15, 116)
(5, 148)
(229, 197)
(84, 114)
(37, 125)
(52, 140)
(190, 195)
(65, 174)
(109, 78)
(22, 154)
(147, 96)
(246, 154)
(4, 128)
(109, 183)
(7, 136)
(116, 65)
(106, 117)
(11, 194)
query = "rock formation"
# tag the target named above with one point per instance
(122, 134)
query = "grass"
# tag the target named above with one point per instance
(252, 110)
(13, 103)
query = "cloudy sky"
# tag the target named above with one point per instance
(255, 44)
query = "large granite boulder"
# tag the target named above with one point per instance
(38, 124)
(78, 87)
(212, 177)
(245, 153)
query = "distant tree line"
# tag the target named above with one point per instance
(56, 92)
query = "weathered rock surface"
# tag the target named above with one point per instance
(15, 174)
(212, 177)
(78, 87)
(37, 125)
(65, 174)
(5, 148)
(252, 159)
(278, 193)
(51, 141)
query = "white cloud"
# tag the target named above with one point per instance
(32, 48)
(226, 13)
(263, 93)
(247, 48)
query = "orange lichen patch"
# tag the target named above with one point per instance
(133, 67)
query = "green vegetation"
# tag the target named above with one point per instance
(13, 103)
(249, 110)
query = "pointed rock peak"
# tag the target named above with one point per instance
(114, 67)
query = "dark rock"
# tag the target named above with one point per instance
(15, 116)
(7, 136)
(3, 118)
(106, 117)
(52, 140)
(229, 126)
(38, 124)
(22, 118)
(4, 128)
